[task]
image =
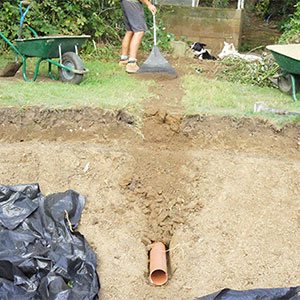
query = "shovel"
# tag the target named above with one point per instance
(12, 68)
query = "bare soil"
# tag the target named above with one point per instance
(222, 193)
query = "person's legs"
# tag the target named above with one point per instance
(125, 48)
(126, 43)
(135, 44)
(128, 36)
(134, 20)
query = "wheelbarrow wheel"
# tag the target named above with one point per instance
(285, 84)
(71, 60)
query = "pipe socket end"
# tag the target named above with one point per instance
(158, 277)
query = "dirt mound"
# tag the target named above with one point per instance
(155, 182)
(243, 134)
(63, 124)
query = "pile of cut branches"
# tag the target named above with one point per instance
(254, 73)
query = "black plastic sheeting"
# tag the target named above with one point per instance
(41, 256)
(257, 294)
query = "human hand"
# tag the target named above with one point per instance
(26, 3)
(152, 8)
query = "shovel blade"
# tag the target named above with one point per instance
(11, 69)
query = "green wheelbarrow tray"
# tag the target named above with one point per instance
(48, 46)
(288, 59)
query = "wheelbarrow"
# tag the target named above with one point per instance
(288, 59)
(48, 48)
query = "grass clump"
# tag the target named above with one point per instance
(216, 97)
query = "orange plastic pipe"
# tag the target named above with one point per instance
(158, 264)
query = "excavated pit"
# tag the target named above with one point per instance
(222, 193)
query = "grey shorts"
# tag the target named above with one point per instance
(134, 17)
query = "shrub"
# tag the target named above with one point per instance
(291, 28)
(102, 19)
(262, 7)
(220, 3)
(278, 9)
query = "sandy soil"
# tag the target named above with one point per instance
(222, 193)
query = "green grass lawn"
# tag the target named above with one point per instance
(105, 86)
(108, 86)
(225, 98)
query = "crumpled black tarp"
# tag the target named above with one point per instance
(41, 257)
(257, 294)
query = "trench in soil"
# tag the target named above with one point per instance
(222, 193)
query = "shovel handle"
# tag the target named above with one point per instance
(23, 14)
(154, 30)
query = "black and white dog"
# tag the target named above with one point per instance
(200, 52)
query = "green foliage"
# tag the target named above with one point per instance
(262, 7)
(220, 3)
(278, 9)
(237, 70)
(163, 37)
(9, 19)
(101, 52)
(103, 19)
(215, 3)
(245, 47)
(292, 28)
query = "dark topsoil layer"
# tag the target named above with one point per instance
(158, 127)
